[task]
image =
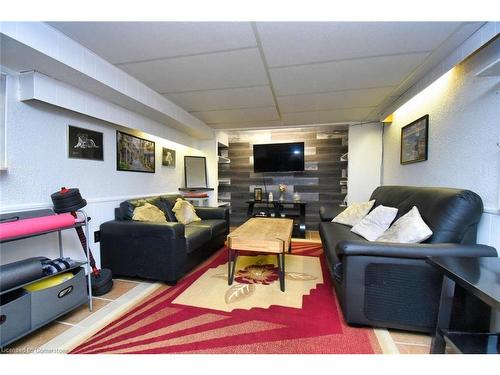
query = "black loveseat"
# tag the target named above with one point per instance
(160, 251)
(390, 284)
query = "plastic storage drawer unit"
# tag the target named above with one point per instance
(48, 304)
(14, 315)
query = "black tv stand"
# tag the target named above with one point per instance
(281, 209)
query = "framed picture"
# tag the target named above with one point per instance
(414, 140)
(257, 194)
(195, 172)
(85, 144)
(168, 157)
(134, 154)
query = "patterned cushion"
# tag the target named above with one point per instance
(409, 228)
(353, 214)
(149, 212)
(375, 223)
(184, 212)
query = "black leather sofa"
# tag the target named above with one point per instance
(160, 251)
(390, 284)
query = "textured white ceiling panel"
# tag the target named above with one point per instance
(333, 100)
(238, 115)
(309, 72)
(344, 75)
(201, 72)
(248, 125)
(318, 117)
(289, 43)
(247, 97)
(120, 42)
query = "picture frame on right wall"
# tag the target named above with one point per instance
(414, 141)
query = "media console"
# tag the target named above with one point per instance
(281, 209)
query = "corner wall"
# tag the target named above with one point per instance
(365, 161)
(464, 129)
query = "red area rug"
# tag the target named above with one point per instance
(159, 325)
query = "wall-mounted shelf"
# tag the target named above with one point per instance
(223, 193)
(196, 189)
(223, 160)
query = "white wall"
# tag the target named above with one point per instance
(464, 129)
(365, 159)
(38, 165)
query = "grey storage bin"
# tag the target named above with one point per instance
(48, 304)
(15, 317)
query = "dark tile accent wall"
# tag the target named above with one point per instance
(319, 184)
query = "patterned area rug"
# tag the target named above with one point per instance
(202, 314)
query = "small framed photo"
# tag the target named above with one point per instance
(168, 157)
(257, 194)
(414, 141)
(134, 154)
(85, 144)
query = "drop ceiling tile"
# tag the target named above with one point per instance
(334, 100)
(289, 43)
(345, 75)
(238, 115)
(120, 42)
(249, 125)
(202, 72)
(207, 100)
(319, 117)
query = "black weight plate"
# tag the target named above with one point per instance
(104, 276)
(103, 289)
(62, 209)
(67, 199)
(69, 193)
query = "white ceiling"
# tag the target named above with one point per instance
(243, 75)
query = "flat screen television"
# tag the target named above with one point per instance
(278, 157)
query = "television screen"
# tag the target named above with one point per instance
(278, 157)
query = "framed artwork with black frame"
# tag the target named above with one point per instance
(257, 194)
(168, 157)
(134, 154)
(414, 141)
(195, 172)
(85, 144)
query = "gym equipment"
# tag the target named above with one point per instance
(15, 227)
(20, 272)
(70, 200)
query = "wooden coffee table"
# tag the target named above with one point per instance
(262, 235)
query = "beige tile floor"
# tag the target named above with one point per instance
(81, 322)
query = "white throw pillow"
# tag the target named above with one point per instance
(184, 211)
(149, 212)
(375, 223)
(353, 214)
(409, 228)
